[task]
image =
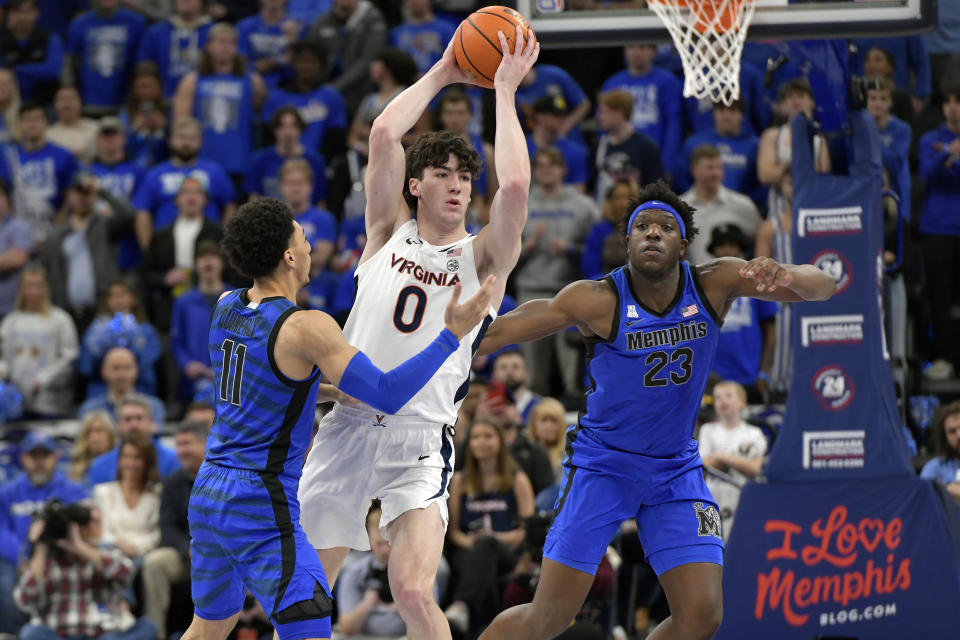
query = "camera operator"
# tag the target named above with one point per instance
(20, 498)
(70, 587)
(364, 600)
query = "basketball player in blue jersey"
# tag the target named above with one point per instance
(650, 329)
(404, 277)
(268, 356)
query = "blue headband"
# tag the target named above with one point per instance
(657, 204)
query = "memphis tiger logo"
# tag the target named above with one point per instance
(708, 520)
(834, 264)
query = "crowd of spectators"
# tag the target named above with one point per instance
(130, 131)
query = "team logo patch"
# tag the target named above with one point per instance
(836, 266)
(379, 422)
(708, 521)
(833, 387)
(689, 310)
(632, 311)
(453, 264)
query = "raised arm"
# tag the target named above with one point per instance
(764, 278)
(386, 170)
(498, 243)
(317, 338)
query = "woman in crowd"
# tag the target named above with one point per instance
(97, 435)
(38, 346)
(546, 426)
(120, 322)
(488, 501)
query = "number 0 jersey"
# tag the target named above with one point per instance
(402, 294)
(649, 376)
(264, 419)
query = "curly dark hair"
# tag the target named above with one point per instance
(255, 238)
(433, 150)
(661, 191)
(939, 436)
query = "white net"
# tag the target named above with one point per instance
(709, 34)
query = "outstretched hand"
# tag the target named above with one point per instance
(767, 273)
(461, 318)
(515, 65)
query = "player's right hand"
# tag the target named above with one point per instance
(461, 318)
(447, 65)
(515, 65)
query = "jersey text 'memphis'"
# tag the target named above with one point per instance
(683, 332)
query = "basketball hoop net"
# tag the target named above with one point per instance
(709, 34)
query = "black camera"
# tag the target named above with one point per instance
(377, 579)
(57, 518)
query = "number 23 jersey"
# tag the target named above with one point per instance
(402, 294)
(649, 376)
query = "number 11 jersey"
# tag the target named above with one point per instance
(402, 294)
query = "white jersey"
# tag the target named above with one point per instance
(402, 293)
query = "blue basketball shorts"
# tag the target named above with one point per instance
(245, 535)
(677, 520)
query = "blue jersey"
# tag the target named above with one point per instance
(223, 104)
(322, 109)
(105, 48)
(157, 192)
(648, 377)
(264, 419)
(176, 51)
(263, 174)
(424, 42)
(258, 41)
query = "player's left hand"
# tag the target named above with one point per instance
(516, 64)
(767, 273)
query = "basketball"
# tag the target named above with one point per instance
(477, 46)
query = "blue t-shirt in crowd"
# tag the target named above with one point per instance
(176, 51)
(258, 41)
(104, 467)
(939, 215)
(942, 469)
(739, 156)
(699, 112)
(122, 180)
(15, 233)
(20, 499)
(321, 109)
(263, 175)
(575, 155)
(105, 47)
(32, 77)
(158, 190)
(318, 225)
(657, 102)
(44, 174)
(223, 103)
(424, 42)
(740, 344)
(551, 80)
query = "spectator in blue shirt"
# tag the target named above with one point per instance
(657, 98)
(320, 106)
(548, 117)
(190, 323)
(738, 150)
(39, 171)
(939, 152)
(36, 56)
(747, 338)
(423, 35)
(263, 175)
(622, 152)
(945, 467)
(102, 44)
(879, 63)
(20, 499)
(319, 225)
(895, 134)
(596, 252)
(911, 64)
(134, 415)
(145, 117)
(176, 43)
(265, 40)
(16, 245)
(119, 373)
(155, 199)
(548, 80)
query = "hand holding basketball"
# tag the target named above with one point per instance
(478, 46)
(516, 65)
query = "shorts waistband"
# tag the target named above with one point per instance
(371, 417)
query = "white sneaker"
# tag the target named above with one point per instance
(458, 615)
(939, 370)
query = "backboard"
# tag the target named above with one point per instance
(557, 24)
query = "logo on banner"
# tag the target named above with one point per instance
(829, 221)
(830, 564)
(833, 449)
(833, 387)
(835, 265)
(818, 331)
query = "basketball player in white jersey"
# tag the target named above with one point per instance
(404, 279)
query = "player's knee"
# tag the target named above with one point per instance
(548, 622)
(413, 600)
(702, 620)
